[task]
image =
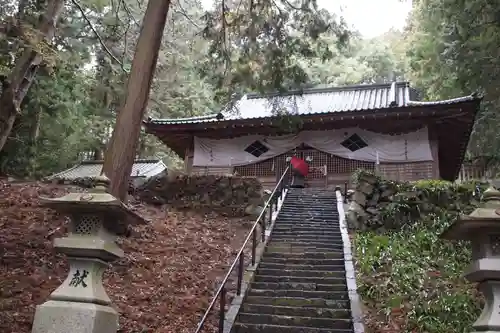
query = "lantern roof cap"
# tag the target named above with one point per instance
(97, 201)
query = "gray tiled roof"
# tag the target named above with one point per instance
(317, 101)
(362, 97)
(141, 168)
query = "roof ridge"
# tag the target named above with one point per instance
(295, 92)
(202, 117)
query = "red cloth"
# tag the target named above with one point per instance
(300, 165)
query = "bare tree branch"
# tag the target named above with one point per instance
(129, 13)
(183, 12)
(98, 36)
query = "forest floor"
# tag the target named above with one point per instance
(165, 282)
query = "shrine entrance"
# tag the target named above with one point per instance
(325, 170)
(318, 168)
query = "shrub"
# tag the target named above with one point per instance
(409, 279)
(412, 279)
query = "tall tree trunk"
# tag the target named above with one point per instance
(120, 156)
(16, 85)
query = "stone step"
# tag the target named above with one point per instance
(296, 241)
(268, 319)
(311, 207)
(315, 200)
(317, 227)
(299, 302)
(295, 311)
(306, 212)
(335, 243)
(263, 328)
(308, 198)
(331, 228)
(286, 250)
(332, 280)
(299, 273)
(319, 193)
(302, 227)
(287, 266)
(284, 215)
(300, 293)
(308, 218)
(309, 210)
(299, 286)
(308, 222)
(315, 238)
(320, 203)
(306, 226)
(329, 233)
(311, 204)
(304, 255)
(303, 261)
(316, 203)
(307, 243)
(311, 233)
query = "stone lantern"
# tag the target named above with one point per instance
(482, 229)
(80, 304)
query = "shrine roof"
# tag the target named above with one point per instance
(90, 168)
(317, 101)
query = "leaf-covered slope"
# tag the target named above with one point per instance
(411, 280)
(171, 269)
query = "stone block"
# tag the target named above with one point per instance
(365, 188)
(74, 317)
(359, 197)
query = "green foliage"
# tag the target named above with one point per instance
(452, 49)
(72, 105)
(407, 275)
(413, 279)
(361, 173)
(60, 103)
(413, 201)
(432, 184)
(256, 45)
(375, 60)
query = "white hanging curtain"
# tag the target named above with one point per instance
(373, 147)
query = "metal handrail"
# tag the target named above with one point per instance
(273, 199)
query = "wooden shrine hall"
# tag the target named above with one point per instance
(383, 127)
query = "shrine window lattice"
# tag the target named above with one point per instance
(334, 165)
(257, 148)
(354, 142)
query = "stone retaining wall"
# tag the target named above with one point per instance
(384, 204)
(227, 194)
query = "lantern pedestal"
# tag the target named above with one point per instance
(482, 229)
(80, 304)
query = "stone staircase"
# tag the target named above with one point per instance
(300, 283)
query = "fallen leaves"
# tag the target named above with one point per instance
(164, 283)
